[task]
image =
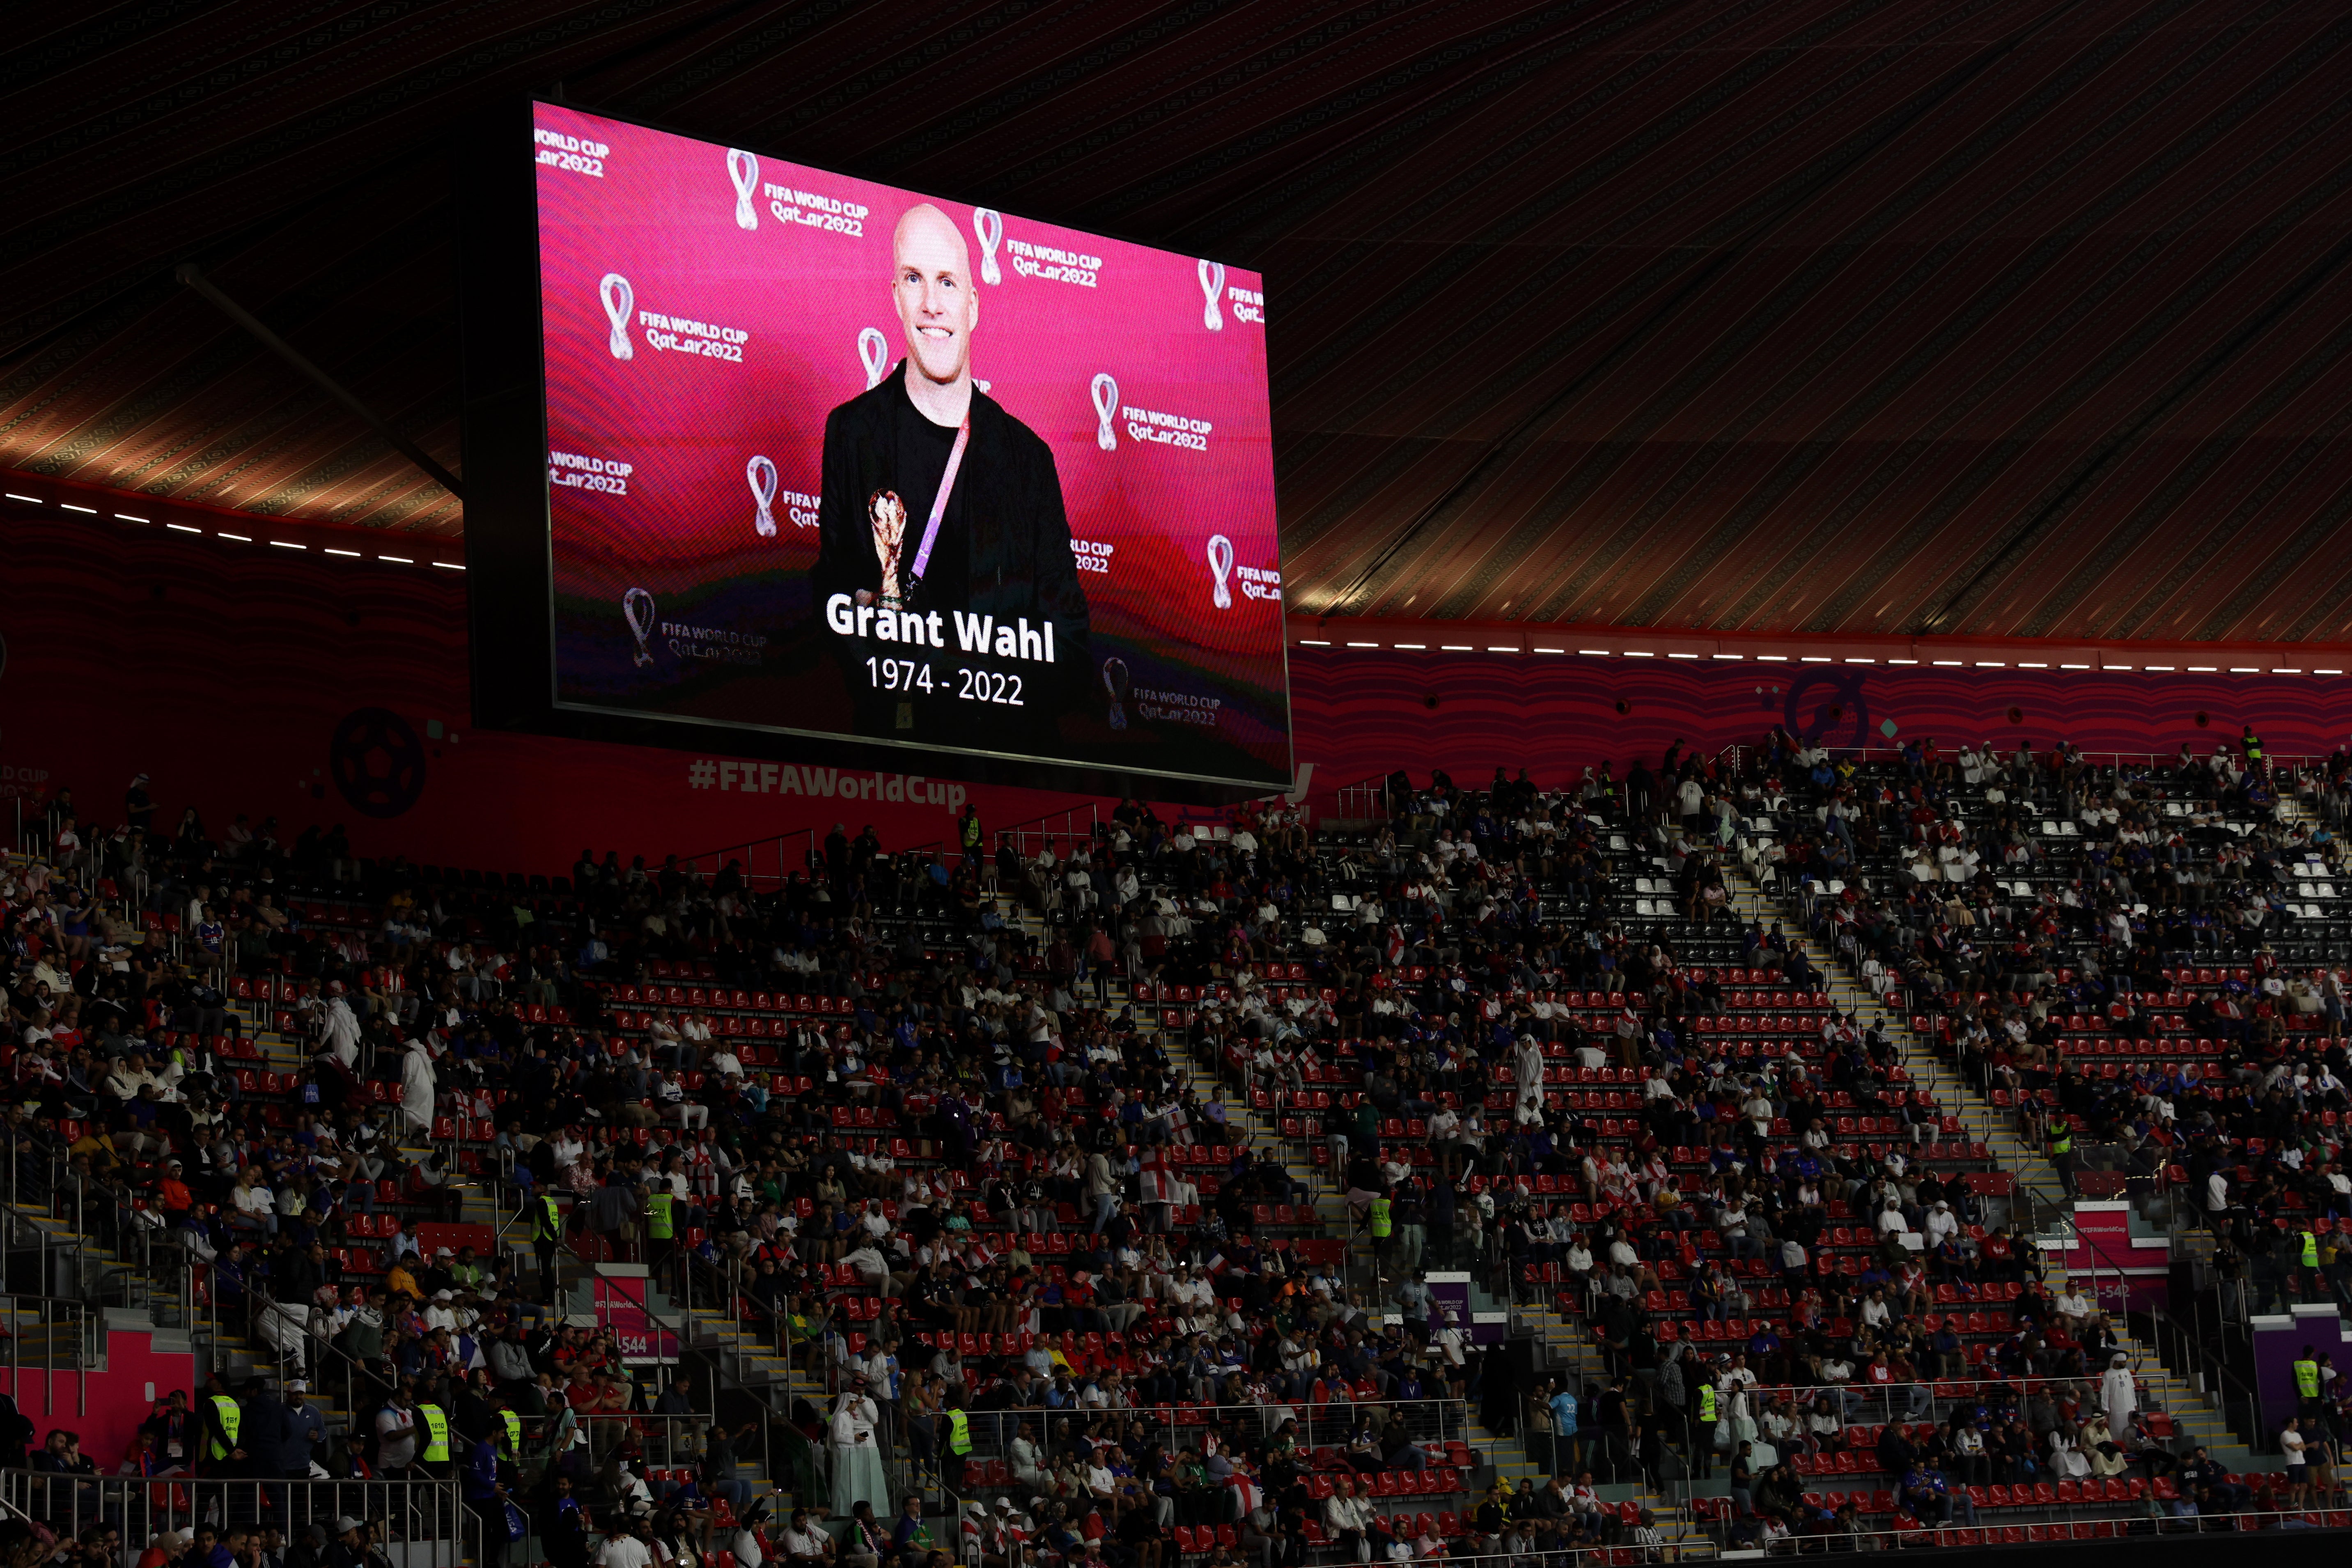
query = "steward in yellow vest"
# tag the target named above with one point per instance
(431, 1434)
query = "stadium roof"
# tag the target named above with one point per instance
(1979, 318)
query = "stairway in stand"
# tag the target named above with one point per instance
(1567, 1351)
(1986, 1123)
(745, 1359)
(1979, 1119)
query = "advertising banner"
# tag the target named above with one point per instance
(620, 1307)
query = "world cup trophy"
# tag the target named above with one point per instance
(1117, 682)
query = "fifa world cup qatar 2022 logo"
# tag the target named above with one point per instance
(1104, 392)
(988, 228)
(637, 610)
(743, 172)
(620, 302)
(1221, 564)
(760, 473)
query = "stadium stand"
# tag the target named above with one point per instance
(1089, 1189)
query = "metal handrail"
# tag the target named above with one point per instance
(1070, 836)
(47, 1313)
(679, 1328)
(752, 875)
(1864, 1405)
(1974, 1537)
(1443, 1422)
(430, 1517)
(1370, 791)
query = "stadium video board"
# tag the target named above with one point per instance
(823, 459)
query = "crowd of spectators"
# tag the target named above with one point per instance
(2131, 958)
(910, 1113)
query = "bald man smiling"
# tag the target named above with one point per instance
(941, 535)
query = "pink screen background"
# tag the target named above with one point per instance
(664, 213)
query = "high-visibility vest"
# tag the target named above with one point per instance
(658, 1222)
(2310, 1250)
(2254, 745)
(2306, 1379)
(1707, 1403)
(436, 1432)
(2061, 1142)
(959, 1432)
(547, 1223)
(1381, 1226)
(514, 1432)
(227, 1418)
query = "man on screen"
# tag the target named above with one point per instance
(941, 535)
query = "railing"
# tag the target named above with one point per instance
(52, 1336)
(282, 1339)
(1914, 1401)
(1075, 830)
(1437, 1422)
(2293, 766)
(2194, 1335)
(659, 1441)
(2180, 1346)
(808, 1465)
(429, 1519)
(93, 1213)
(750, 852)
(1674, 1545)
(2070, 1522)
(46, 1337)
(1366, 800)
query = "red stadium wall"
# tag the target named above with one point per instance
(242, 677)
(105, 1408)
(1360, 711)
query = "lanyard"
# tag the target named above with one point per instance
(940, 501)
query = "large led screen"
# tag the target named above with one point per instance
(830, 458)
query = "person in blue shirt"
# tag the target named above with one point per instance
(486, 1497)
(1921, 1497)
(911, 1537)
(1568, 1444)
(1956, 1502)
(209, 1550)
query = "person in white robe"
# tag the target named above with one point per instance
(338, 1029)
(856, 1458)
(2118, 1395)
(416, 1083)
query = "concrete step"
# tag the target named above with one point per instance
(1508, 1456)
(1984, 1122)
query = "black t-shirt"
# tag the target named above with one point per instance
(923, 447)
